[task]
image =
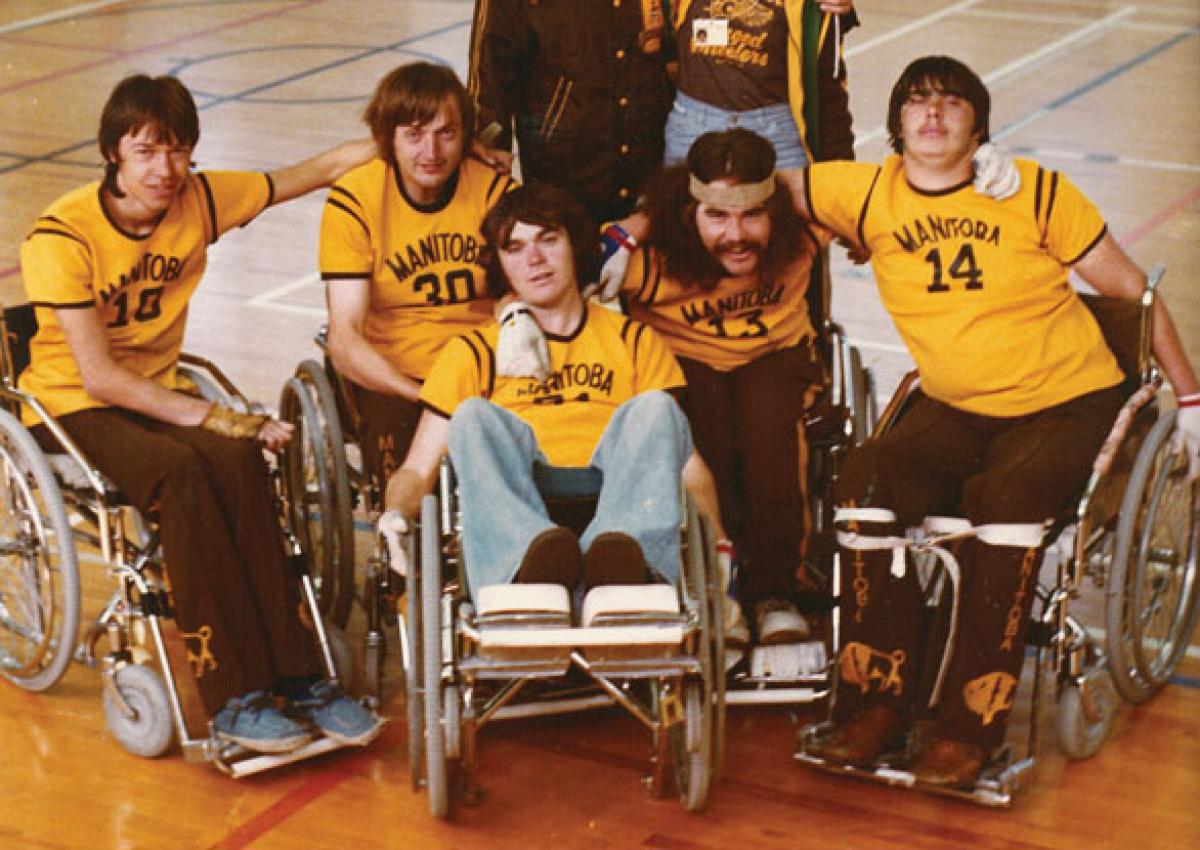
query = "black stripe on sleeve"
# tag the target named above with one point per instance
(860, 227)
(211, 206)
(64, 305)
(1052, 197)
(52, 231)
(337, 204)
(333, 276)
(648, 277)
(270, 190)
(1038, 187)
(1090, 246)
(424, 405)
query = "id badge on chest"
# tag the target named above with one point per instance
(710, 32)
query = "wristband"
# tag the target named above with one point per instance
(619, 235)
(1192, 400)
(229, 423)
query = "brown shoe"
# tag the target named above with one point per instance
(860, 740)
(948, 762)
(552, 558)
(614, 558)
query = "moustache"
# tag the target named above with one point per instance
(739, 246)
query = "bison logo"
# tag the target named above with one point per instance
(868, 668)
(203, 660)
(990, 694)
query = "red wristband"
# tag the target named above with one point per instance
(1192, 400)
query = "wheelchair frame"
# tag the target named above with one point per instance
(1149, 571)
(450, 653)
(145, 708)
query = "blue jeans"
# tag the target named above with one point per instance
(503, 479)
(691, 118)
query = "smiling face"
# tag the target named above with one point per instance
(428, 154)
(736, 237)
(540, 266)
(151, 170)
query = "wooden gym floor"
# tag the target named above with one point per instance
(1103, 90)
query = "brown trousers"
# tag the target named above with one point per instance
(747, 425)
(236, 599)
(387, 424)
(943, 461)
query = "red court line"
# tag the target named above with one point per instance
(1165, 215)
(150, 48)
(298, 798)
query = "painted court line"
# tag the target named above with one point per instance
(61, 14)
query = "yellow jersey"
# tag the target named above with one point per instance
(608, 360)
(740, 320)
(978, 288)
(422, 261)
(77, 258)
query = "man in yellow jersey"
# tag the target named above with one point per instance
(725, 286)
(401, 252)
(110, 269)
(1018, 391)
(602, 422)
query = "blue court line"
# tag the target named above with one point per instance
(1097, 82)
(218, 100)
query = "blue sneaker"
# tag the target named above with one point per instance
(339, 717)
(254, 722)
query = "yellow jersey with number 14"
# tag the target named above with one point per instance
(978, 288)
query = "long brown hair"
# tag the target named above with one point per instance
(738, 155)
(413, 94)
(138, 101)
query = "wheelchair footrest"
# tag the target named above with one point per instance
(787, 662)
(995, 787)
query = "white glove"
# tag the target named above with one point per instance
(394, 530)
(1187, 433)
(996, 173)
(616, 247)
(521, 350)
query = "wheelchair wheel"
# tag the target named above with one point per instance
(311, 499)
(1152, 589)
(691, 745)
(39, 574)
(702, 583)
(436, 783)
(1086, 711)
(313, 376)
(149, 732)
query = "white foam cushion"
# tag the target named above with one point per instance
(516, 598)
(629, 599)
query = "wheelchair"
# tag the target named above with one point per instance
(651, 649)
(325, 484)
(842, 416)
(1135, 534)
(53, 503)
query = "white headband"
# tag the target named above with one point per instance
(742, 195)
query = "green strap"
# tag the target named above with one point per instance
(811, 19)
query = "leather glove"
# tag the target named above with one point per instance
(231, 423)
(996, 173)
(521, 350)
